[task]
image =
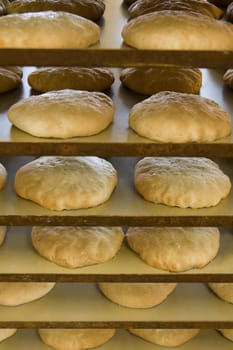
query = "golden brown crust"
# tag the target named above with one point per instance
(228, 78)
(10, 78)
(223, 290)
(3, 176)
(2, 234)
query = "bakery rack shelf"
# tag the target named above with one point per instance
(81, 305)
(206, 339)
(118, 139)
(27, 265)
(124, 208)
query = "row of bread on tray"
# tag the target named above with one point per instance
(80, 339)
(176, 115)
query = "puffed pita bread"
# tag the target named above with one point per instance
(137, 295)
(148, 81)
(228, 78)
(90, 9)
(77, 246)
(3, 176)
(170, 116)
(59, 183)
(10, 78)
(6, 333)
(227, 333)
(181, 181)
(63, 114)
(174, 249)
(223, 290)
(165, 337)
(142, 7)
(57, 78)
(2, 234)
(17, 293)
(48, 29)
(75, 339)
(178, 30)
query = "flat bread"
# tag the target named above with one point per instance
(165, 337)
(148, 81)
(10, 78)
(48, 29)
(59, 183)
(78, 78)
(17, 293)
(137, 295)
(228, 78)
(2, 234)
(63, 114)
(90, 9)
(77, 246)
(75, 339)
(3, 176)
(175, 249)
(178, 30)
(223, 290)
(227, 333)
(185, 182)
(6, 333)
(142, 7)
(176, 117)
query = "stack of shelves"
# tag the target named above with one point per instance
(76, 301)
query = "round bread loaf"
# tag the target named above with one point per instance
(3, 176)
(75, 339)
(63, 114)
(57, 78)
(137, 295)
(6, 333)
(59, 183)
(223, 290)
(2, 234)
(228, 78)
(77, 246)
(142, 7)
(90, 9)
(182, 182)
(178, 117)
(165, 337)
(17, 293)
(178, 30)
(174, 249)
(227, 333)
(48, 29)
(10, 78)
(148, 81)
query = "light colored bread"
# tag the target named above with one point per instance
(183, 182)
(10, 78)
(142, 7)
(6, 333)
(17, 293)
(57, 78)
(47, 29)
(77, 246)
(178, 117)
(228, 78)
(178, 30)
(2, 234)
(3, 176)
(148, 81)
(63, 114)
(90, 9)
(174, 249)
(137, 295)
(59, 183)
(165, 337)
(75, 339)
(223, 290)
(227, 333)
